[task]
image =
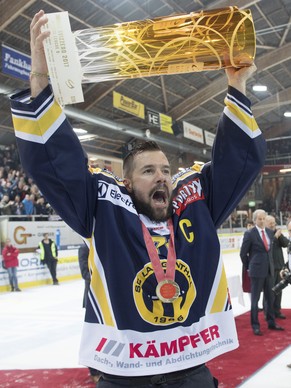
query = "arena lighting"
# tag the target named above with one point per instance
(80, 131)
(287, 114)
(260, 88)
(148, 133)
(88, 137)
(284, 170)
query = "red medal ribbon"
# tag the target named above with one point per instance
(167, 289)
(154, 257)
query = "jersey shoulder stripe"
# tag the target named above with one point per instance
(106, 173)
(241, 115)
(181, 176)
(40, 125)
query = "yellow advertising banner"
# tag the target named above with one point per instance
(128, 105)
(166, 123)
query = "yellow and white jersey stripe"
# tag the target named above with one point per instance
(241, 115)
(40, 125)
(219, 299)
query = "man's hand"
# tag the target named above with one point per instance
(38, 78)
(237, 77)
(284, 273)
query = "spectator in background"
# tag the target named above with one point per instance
(246, 281)
(4, 190)
(41, 208)
(249, 225)
(83, 254)
(35, 190)
(49, 256)
(28, 203)
(21, 189)
(287, 266)
(256, 252)
(280, 241)
(5, 206)
(10, 259)
(11, 188)
(17, 208)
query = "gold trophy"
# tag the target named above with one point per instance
(184, 43)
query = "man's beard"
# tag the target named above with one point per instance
(153, 214)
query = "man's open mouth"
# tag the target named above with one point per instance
(160, 196)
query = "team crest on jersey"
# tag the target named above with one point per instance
(188, 193)
(154, 311)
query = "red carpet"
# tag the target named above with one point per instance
(230, 369)
(46, 378)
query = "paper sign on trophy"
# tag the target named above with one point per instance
(202, 41)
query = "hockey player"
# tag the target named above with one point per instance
(158, 306)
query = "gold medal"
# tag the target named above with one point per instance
(167, 290)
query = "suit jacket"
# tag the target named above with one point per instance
(288, 263)
(278, 256)
(254, 255)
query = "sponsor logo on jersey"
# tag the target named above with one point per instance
(188, 193)
(102, 189)
(152, 348)
(112, 193)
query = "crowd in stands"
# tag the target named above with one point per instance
(19, 196)
(276, 199)
(278, 151)
(285, 206)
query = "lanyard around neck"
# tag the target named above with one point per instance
(167, 289)
(154, 257)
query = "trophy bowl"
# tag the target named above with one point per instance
(184, 43)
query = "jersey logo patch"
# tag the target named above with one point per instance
(187, 194)
(154, 311)
(102, 189)
(112, 193)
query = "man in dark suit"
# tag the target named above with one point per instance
(256, 253)
(246, 281)
(287, 265)
(280, 241)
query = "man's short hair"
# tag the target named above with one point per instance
(141, 147)
(257, 212)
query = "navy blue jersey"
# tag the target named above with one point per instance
(128, 330)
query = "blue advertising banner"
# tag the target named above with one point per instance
(15, 63)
